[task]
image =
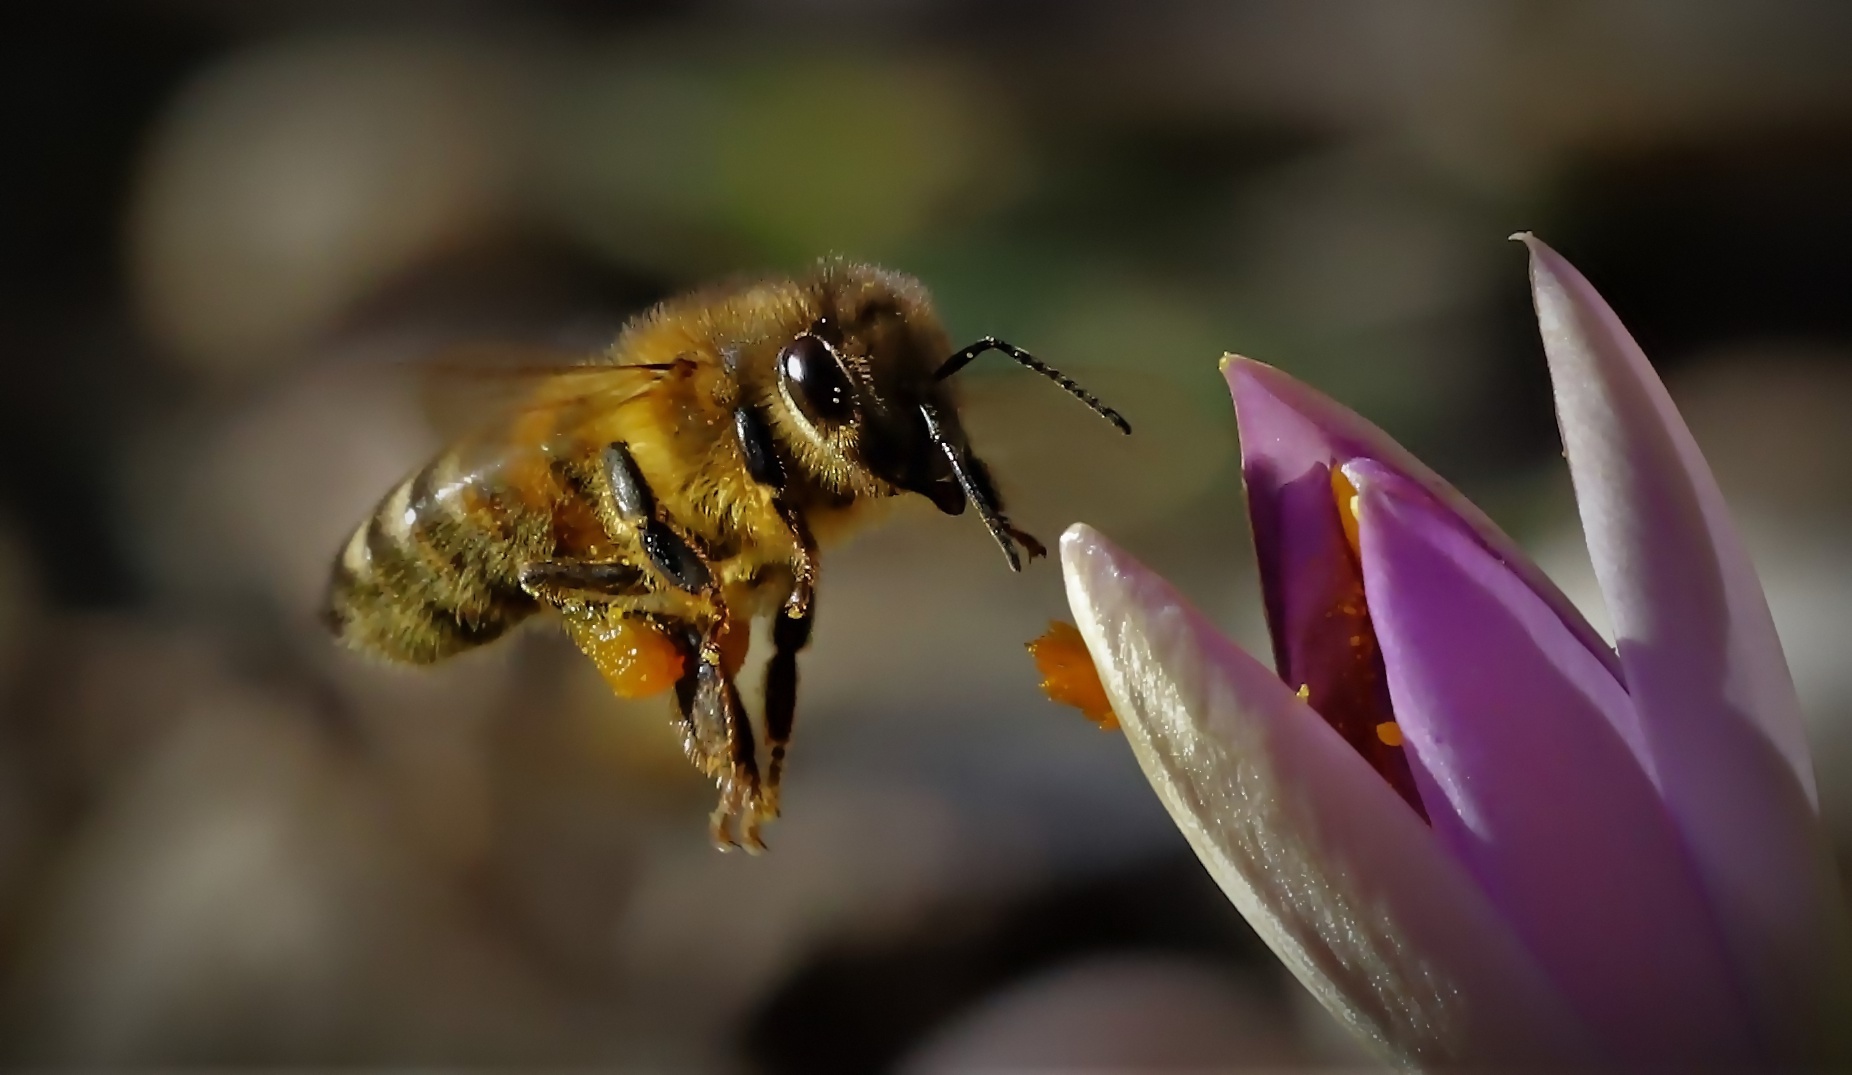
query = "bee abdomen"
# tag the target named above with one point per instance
(428, 576)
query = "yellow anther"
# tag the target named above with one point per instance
(1390, 733)
(1346, 495)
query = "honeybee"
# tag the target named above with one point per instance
(666, 493)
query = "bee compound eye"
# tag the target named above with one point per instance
(815, 381)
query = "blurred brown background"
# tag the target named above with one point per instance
(230, 232)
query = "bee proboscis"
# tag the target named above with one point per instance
(675, 488)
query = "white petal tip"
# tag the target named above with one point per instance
(1090, 566)
(1078, 541)
(1085, 556)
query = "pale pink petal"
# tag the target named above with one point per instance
(1720, 722)
(1337, 874)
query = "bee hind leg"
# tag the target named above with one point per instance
(716, 734)
(719, 741)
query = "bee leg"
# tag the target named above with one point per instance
(790, 634)
(715, 699)
(987, 485)
(803, 567)
(1034, 548)
(700, 710)
(760, 452)
(716, 733)
(673, 553)
(720, 736)
(558, 581)
(719, 741)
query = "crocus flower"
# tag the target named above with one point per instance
(1477, 832)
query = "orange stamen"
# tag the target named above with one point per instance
(1346, 495)
(1337, 655)
(1069, 676)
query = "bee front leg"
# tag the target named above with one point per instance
(1034, 548)
(790, 634)
(760, 453)
(803, 567)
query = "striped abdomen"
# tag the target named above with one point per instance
(433, 572)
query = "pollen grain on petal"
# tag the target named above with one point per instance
(1389, 733)
(1068, 673)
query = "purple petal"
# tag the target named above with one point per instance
(1342, 881)
(1517, 739)
(1288, 431)
(1721, 725)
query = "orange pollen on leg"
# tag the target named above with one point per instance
(735, 642)
(634, 656)
(1069, 676)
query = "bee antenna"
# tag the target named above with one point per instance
(991, 343)
(986, 509)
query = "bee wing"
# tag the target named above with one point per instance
(469, 387)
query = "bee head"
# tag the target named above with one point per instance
(867, 382)
(859, 387)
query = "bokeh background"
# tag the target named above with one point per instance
(232, 232)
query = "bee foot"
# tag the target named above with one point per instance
(720, 829)
(734, 824)
(1028, 541)
(749, 833)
